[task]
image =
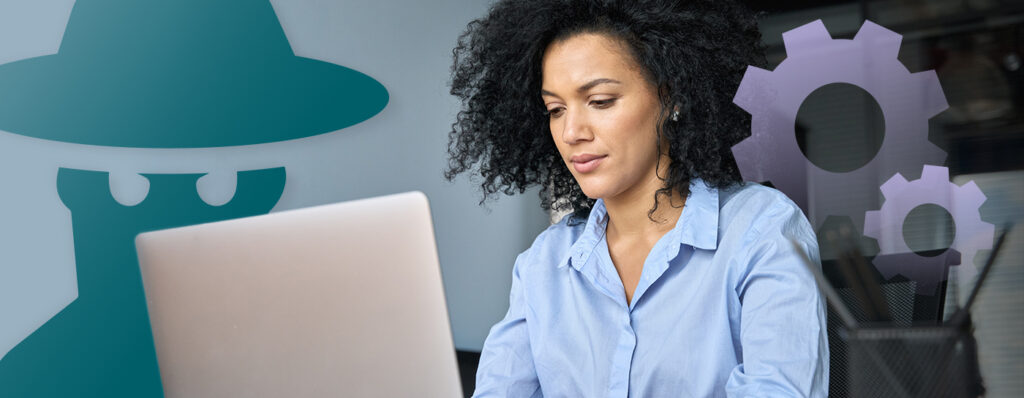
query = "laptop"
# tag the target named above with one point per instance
(341, 300)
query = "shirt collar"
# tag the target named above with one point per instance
(697, 226)
(593, 232)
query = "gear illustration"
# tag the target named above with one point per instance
(901, 197)
(814, 59)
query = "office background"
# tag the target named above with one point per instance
(976, 46)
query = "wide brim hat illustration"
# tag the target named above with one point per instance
(180, 74)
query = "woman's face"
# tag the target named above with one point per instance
(603, 116)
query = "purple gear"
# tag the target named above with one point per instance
(934, 187)
(813, 60)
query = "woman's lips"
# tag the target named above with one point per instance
(586, 163)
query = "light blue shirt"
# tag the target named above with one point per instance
(724, 307)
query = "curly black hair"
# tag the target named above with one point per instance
(694, 51)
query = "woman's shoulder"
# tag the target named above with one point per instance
(755, 207)
(552, 246)
(746, 191)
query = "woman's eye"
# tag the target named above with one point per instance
(603, 103)
(556, 112)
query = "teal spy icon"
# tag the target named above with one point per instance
(156, 74)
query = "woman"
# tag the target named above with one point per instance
(670, 277)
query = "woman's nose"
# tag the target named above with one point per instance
(577, 127)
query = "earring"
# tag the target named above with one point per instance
(675, 116)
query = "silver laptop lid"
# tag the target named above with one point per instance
(341, 300)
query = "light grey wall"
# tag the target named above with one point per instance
(404, 44)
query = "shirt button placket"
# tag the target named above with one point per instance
(623, 360)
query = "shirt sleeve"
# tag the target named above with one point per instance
(506, 362)
(783, 337)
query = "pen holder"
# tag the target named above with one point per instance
(913, 362)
